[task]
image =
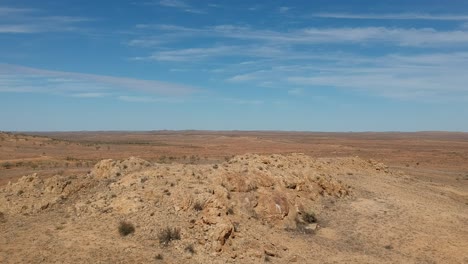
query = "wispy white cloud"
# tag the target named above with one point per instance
(181, 5)
(16, 20)
(192, 53)
(8, 11)
(145, 42)
(90, 95)
(296, 91)
(397, 16)
(297, 61)
(284, 9)
(174, 3)
(243, 101)
(254, 8)
(17, 29)
(208, 53)
(436, 76)
(430, 76)
(25, 79)
(148, 99)
(245, 77)
(415, 37)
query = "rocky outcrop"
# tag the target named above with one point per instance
(219, 209)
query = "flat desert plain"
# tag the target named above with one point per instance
(233, 197)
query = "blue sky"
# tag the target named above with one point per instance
(350, 65)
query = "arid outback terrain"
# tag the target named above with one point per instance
(233, 197)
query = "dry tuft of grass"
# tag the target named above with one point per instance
(126, 228)
(190, 249)
(168, 234)
(2, 217)
(198, 206)
(309, 217)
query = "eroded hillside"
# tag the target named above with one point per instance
(249, 209)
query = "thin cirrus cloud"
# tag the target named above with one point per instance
(400, 16)
(193, 53)
(181, 5)
(90, 95)
(276, 45)
(278, 63)
(207, 53)
(15, 78)
(8, 11)
(414, 37)
(284, 9)
(148, 99)
(174, 3)
(28, 21)
(437, 76)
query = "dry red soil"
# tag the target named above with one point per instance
(234, 197)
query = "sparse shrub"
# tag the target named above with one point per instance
(230, 211)
(2, 217)
(158, 257)
(126, 228)
(198, 206)
(309, 217)
(168, 234)
(215, 166)
(7, 165)
(190, 249)
(303, 220)
(252, 186)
